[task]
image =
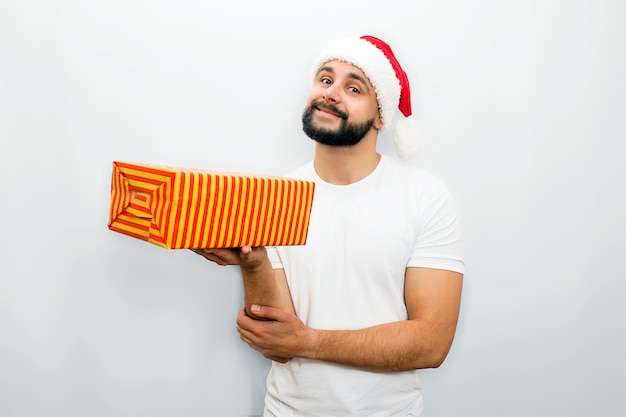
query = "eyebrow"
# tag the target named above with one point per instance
(352, 75)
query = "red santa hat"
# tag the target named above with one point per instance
(391, 84)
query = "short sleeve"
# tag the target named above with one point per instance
(274, 257)
(439, 242)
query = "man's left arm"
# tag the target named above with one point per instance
(433, 298)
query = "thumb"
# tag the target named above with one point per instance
(267, 312)
(252, 258)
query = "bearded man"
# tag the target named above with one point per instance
(349, 318)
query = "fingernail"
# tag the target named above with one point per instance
(255, 307)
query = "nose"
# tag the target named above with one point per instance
(330, 93)
(328, 97)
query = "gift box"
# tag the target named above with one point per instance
(191, 208)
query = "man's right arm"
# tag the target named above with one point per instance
(262, 284)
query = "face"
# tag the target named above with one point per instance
(342, 107)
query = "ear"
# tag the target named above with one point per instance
(378, 123)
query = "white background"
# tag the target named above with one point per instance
(522, 109)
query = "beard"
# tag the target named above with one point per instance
(347, 134)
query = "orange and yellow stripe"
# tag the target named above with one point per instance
(189, 208)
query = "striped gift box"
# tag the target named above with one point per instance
(191, 208)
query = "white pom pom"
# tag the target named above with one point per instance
(406, 138)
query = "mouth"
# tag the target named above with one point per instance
(330, 110)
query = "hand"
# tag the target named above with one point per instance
(247, 257)
(280, 337)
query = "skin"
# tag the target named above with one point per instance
(268, 322)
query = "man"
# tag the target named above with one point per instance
(374, 295)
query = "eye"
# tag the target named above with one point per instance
(354, 90)
(326, 80)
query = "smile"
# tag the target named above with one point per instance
(331, 110)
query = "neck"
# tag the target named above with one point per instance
(346, 165)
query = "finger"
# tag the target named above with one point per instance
(246, 326)
(228, 256)
(252, 255)
(243, 319)
(199, 252)
(244, 338)
(212, 258)
(217, 259)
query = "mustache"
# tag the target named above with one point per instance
(321, 104)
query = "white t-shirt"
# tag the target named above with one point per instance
(350, 275)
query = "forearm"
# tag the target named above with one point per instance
(398, 346)
(422, 341)
(263, 286)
